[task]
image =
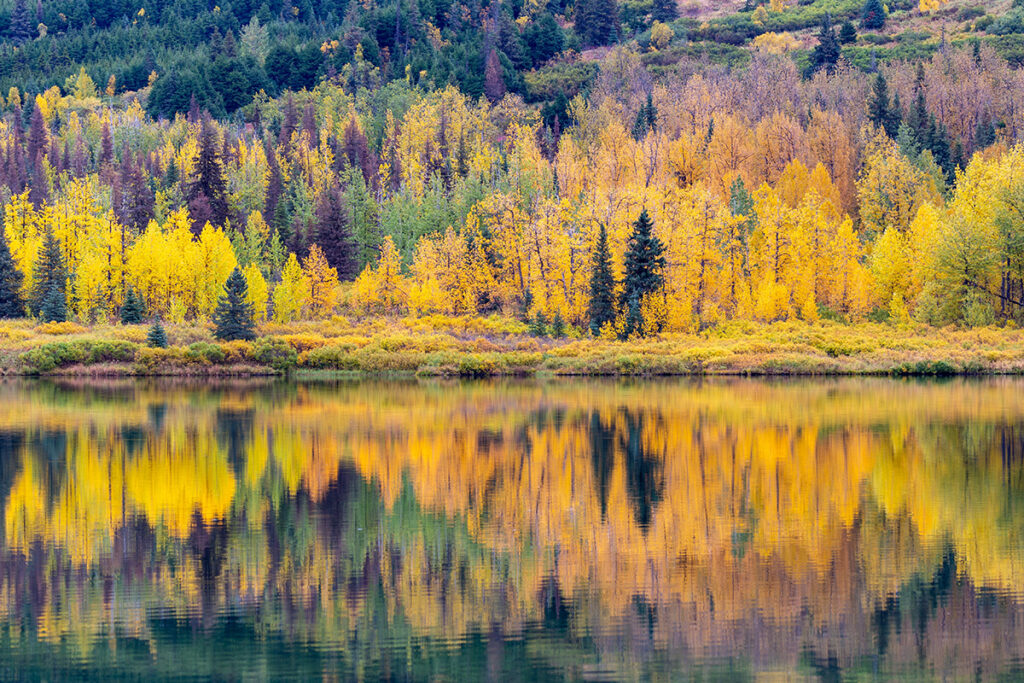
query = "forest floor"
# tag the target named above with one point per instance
(477, 347)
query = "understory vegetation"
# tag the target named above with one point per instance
(478, 347)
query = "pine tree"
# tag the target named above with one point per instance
(597, 21)
(664, 10)
(20, 28)
(54, 308)
(11, 305)
(234, 317)
(133, 309)
(602, 285)
(880, 112)
(645, 265)
(334, 234)
(847, 33)
(558, 326)
(49, 272)
(873, 15)
(208, 181)
(157, 337)
(826, 52)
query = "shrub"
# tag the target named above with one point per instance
(54, 355)
(205, 353)
(274, 353)
(55, 328)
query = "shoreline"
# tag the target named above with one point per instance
(495, 347)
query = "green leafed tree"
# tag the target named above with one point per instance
(234, 316)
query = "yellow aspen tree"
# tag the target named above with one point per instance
(292, 293)
(257, 291)
(323, 283)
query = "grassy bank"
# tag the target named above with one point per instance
(477, 347)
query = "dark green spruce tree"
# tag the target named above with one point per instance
(645, 265)
(48, 272)
(602, 285)
(54, 308)
(132, 309)
(880, 110)
(826, 52)
(872, 17)
(234, 315)
(157, 337)
(11, 305)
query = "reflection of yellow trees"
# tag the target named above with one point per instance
(792, 501)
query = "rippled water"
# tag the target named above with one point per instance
(842, 529)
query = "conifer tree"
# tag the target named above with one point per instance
(645, 265)
(334, 234)
(234, 317)
(54, 308)
(208, 182)
(664, 10)
(49, 272)
(20, 29)
(602, 285)
(133, 309)
(157, 337)
(847, 33)
(880, 111)
(873, 15)
(826, 52)
(11, 305)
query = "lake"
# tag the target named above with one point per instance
(517, 530)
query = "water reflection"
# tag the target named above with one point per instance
(833, 529)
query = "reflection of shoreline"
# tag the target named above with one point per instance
(782, 508)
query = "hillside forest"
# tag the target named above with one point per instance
(620, 183)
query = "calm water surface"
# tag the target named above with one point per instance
(843, 529)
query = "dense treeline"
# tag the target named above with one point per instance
(767, 195)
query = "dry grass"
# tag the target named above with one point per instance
(444, 345)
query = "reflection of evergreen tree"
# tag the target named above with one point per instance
(643, 471)
(602, 455)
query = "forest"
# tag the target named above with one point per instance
(658, 199)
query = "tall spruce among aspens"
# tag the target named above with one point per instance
(11, 304)
(49, 272)
(645, 265)
(602, 285)
(234, 318)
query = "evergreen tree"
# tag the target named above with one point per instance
(49, 272)
(597, 21)
(208, 183)
(664, 10)
(11, 305)
(880, 112)
(558, 326)
(54, 308)
(826, 52)
(984, 132)
(157, 337)
(847, 33)
(872, 17)
(539, 325)
(645, 264)
(334, 234)
(133, 309)
(20, 28)
(602, 285)
(234, 314)
(646, 119)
